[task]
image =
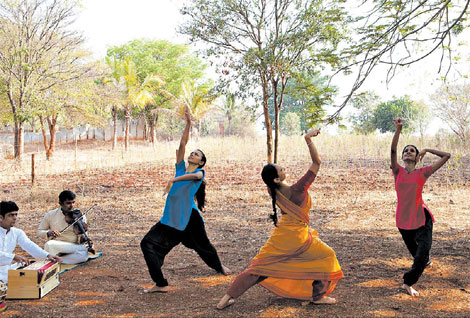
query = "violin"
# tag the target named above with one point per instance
(75, 219)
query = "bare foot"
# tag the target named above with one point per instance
(305, 303)
(225, 302)
(157, 289)
(325, 301)
(410, 290)
(225, 270)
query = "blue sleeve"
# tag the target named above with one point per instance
(203, 173)
(180, 168)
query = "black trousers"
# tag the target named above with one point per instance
(419, 243)
(162, 238)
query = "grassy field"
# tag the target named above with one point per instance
(353, 210)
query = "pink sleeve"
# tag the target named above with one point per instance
(426, 171)
(304, 183)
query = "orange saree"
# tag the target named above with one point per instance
(294, 256)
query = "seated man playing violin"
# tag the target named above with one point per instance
(66, 237)
(10, 237)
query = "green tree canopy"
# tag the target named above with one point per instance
(290, 124)
(172, 63)
(305, 96)
(386, 112)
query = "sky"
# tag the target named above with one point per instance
(107, 23)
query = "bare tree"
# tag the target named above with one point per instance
(38, 50)
(401, 33)
(452, 105)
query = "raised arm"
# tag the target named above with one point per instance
(393, 153)
(439, 163)
(313, 150)
(185, 137)
(185, 177)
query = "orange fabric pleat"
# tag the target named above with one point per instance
(294, 256)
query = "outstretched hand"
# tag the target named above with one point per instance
(398, 122)
(312, 133)
(187, 114)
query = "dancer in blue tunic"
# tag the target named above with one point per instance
(181, 221)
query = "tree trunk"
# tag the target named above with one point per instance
(114, 112)
(276, 131)
(229, 125)
(19, 141)
(153, 130)
(146, 134)
(126, 134)
(276, 119)
(278, 100)
(267, 121)
(44, 136)
(52, 128)
(49, 147)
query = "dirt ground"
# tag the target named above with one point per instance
(353, 211)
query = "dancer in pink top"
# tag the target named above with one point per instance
(413, 218)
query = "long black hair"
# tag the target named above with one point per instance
(268, 174)
(416, 149)
(201, 192)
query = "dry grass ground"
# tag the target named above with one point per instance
(353, 211)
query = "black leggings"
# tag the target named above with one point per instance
(419, 243)
(162, 238)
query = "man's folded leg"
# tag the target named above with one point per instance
(74, 253)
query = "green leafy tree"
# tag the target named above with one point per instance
(290, 124)
(229, 108)
(68, 104)
(172, 63)
(135, 94)
(265, 44)
(363, 119)
(199, 98)
(386, 112)
(306, 96)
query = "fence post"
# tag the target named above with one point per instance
(76, 150)
(32, 169)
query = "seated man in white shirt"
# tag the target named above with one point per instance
(11, 236)
(66, 244)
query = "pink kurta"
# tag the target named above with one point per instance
(409, 187)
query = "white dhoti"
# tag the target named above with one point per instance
(74, 253)
(3, 291)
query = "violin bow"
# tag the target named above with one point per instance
(78, 219)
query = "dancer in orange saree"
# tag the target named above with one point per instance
(294, 262)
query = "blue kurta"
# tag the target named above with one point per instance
(180, 200)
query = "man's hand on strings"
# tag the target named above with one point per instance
(53, 234)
